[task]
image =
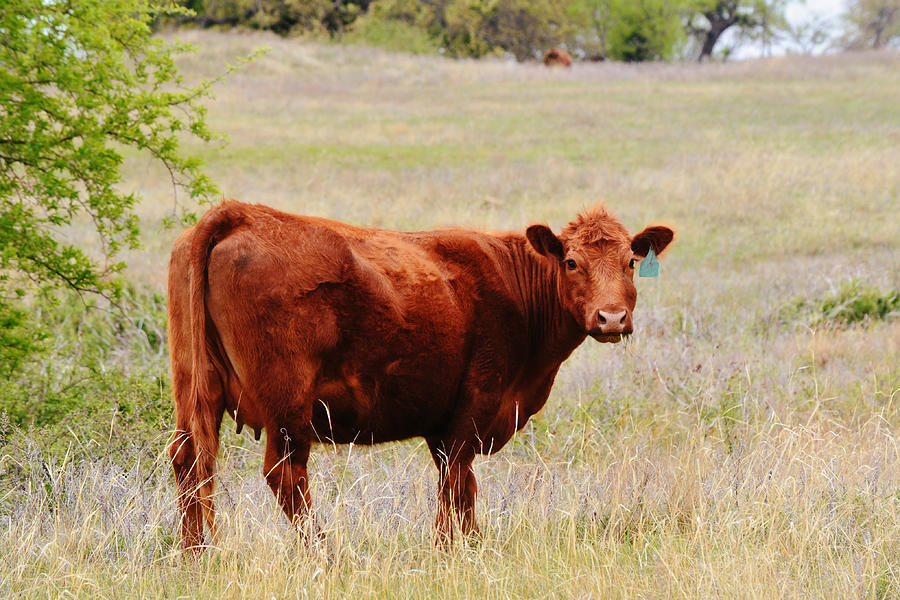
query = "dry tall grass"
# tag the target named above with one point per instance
(723, 452)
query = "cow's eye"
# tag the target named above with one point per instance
(631, 264)
(571, 264)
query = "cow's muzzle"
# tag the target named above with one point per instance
(609, 338)
(610, 325)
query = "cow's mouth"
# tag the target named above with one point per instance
(609, 338)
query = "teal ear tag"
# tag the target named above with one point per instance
(649, 266)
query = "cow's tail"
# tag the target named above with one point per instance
(204, 411)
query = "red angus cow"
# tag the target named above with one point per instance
(315, 330)
(557, 56)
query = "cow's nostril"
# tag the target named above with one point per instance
(612, 322)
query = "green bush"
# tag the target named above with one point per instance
(283, 17)
(475, 28)
(124, 420)
(642, 30)
(92, 353)
(857, 302)
(854, 302)
(394, 35)
(96, 389)
(18, 338)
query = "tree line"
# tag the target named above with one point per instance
(627, 30)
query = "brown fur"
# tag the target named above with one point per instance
(557, 56)
(318, 331)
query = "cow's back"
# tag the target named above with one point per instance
(376, 319)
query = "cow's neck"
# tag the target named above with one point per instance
(552, 332)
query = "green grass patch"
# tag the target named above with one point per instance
(853, 302)
(395, 36)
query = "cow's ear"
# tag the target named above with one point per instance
(655, 236)
(545, 242)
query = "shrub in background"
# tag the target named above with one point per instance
(97, 352)
(392, 34)
(854, 302)
(642, 30)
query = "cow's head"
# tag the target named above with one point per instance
(595, 259)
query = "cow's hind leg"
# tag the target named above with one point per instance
(193, 450)
(456, 489)
(287, 451)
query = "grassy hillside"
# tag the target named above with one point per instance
(743, 444)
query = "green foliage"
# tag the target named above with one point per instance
(857, 302)
(590, 20)
(465, 26)
(394, 35)
(281, 16)
(80, 82)
(124, 421)
(18, 339)
(96, 391)
(854, 302)
(642, 30)
(523, 28)
(475, 28)
(631, 30)
(96, 353)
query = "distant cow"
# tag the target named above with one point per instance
(318, 331)
(557, 56)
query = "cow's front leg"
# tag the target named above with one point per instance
(456, 489)
(285, 470)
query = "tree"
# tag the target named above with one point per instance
(641, 30)
(707, 20)
(281, 16)
(871, 24)
(591, 19)
(475, 28)
(810, 36)
(80, 82)
(525, 28)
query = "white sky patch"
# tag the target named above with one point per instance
(798, 13)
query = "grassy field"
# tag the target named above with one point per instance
(744, 443)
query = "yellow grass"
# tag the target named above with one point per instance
(723, 452)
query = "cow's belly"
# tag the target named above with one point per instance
(391, 378)
(364, 410)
